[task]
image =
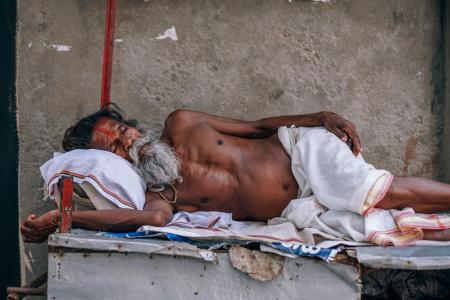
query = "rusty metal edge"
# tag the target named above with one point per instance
(66, 243)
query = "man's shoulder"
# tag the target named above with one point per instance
(181, 120)
(179, 115)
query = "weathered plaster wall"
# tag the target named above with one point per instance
(371, 61)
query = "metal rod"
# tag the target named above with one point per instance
(26, 291)
(66, 205)
(16, 293)
(38, 281)
(108, 53)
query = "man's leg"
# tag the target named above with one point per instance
(422, 195)
(436, 235)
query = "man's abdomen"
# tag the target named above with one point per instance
(267, 183)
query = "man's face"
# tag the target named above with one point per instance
(113, 136)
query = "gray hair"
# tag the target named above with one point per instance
(156, 161)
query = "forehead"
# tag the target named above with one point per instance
(106, 126)
(104, 133)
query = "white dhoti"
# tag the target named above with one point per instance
(337, 193)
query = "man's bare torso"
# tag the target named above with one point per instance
(250, 178)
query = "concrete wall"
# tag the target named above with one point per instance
(371, 61)
(445, 143)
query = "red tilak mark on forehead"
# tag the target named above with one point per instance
(108, 132)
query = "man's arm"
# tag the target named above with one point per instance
(158, 213)
(336, 124)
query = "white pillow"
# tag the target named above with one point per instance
(111, 176)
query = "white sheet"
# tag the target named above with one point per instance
(220, 226)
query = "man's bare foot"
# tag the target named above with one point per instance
(36, 229)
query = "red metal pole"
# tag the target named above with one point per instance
(108, 53)
(65, 207)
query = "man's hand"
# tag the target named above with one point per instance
(36, 230)
(343, 129)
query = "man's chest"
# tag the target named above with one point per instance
(206, 187)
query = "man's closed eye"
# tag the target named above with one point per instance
(114, 147)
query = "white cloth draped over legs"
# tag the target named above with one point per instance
(337, 193)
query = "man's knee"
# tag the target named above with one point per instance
(394, 195)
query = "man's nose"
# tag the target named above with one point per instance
(127, 141)
(127, 144)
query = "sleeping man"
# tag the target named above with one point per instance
(252, 169)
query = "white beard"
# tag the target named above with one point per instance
(156, 162)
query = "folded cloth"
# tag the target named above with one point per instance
(402, 227)
(338, 193)
(109, 180)
(213, 225)
(205, 220)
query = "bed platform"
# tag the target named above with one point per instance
(85, 265)
(88, 266)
